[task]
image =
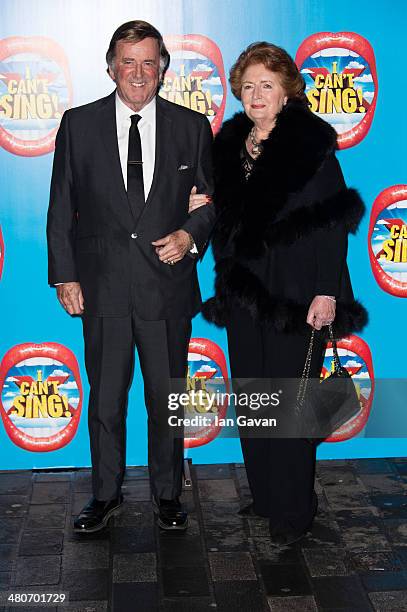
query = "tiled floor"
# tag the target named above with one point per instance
(355, 558)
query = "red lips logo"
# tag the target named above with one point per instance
(339, 70)
(356, 357)
(41, 396)
(35, 90)
(387, 240)
(196, 76)
(1, 252)
(207, 372)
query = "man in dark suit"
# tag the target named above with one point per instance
(122, 253)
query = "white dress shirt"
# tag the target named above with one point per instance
(146, 127)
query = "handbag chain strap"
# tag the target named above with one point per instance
(302, 387)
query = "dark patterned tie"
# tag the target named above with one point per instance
(135, 183)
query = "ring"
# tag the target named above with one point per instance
(171, 262)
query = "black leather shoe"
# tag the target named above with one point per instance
(248, 511)
(96, 514)
(282, 535)
(170, 515)
(285, 538)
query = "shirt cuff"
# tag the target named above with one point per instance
(193, 250)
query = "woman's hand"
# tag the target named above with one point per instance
(321, 311)
(196, 200)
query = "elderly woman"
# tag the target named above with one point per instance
(280, 247)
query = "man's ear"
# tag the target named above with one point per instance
(111, 73)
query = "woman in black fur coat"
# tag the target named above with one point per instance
(280, 245)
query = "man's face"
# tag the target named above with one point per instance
(136, 71)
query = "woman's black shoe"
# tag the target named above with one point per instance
(96, 514)
(248, 511)
(285, 539)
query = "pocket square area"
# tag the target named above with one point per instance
(183, 167)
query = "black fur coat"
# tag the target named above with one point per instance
(281, 236)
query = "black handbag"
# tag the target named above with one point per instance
(323, 406)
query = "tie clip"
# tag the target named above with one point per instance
(134, 162)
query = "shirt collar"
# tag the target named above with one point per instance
(124, 112)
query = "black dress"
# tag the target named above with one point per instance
(280, 471)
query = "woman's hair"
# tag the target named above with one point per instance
(273, 58)
(135, 31)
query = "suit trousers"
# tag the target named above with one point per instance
(280, 471)
(162, 348)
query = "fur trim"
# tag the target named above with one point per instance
(295, 149)
(294, 152)
(235, 283)
(345, 207)
(278, 205)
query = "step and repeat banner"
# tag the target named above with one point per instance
(52, 58)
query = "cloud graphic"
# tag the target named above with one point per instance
(380, 237)
(306, 71)
(335, 52)
(59, 373)
(69, 385)
(206, 368)
(361, 375)
(217, 98)
(354, 64)
(364, 78)
(368, 95)
(399, 204)
(197, 357)
(203, 68)
(342, 352)
(381, 222)
(10, 394)
(212, 81)
(22, 57)
(74, 401)
(38, 361)
(351, 363)
(184, 54)
(11, 379)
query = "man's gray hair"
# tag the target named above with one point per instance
(135, 31)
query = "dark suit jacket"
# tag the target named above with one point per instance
(91, 222)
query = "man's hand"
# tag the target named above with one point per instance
(172, 248)
(71, 298)
(196, 200)
(321, 311)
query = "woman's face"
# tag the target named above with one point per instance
(262, 95)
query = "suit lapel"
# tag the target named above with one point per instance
(109, 137)
(163, 131)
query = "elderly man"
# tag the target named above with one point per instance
(122, 253)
